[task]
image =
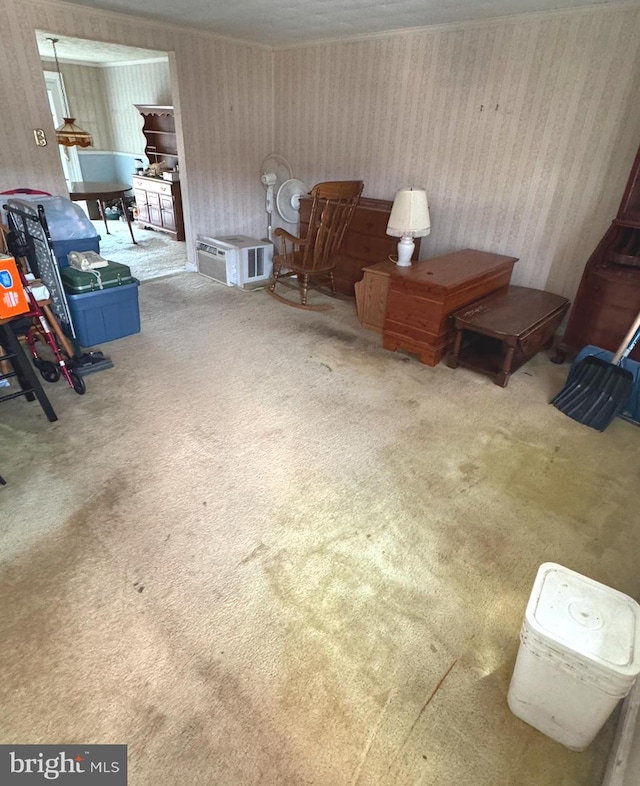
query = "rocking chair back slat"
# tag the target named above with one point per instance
(332, 209)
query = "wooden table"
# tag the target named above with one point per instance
(102, 192)
(501, 332)
(423, 297)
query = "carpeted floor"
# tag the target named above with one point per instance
(152, 256)
(263, 550)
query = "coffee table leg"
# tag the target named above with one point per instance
(503, 377)
(126, 213)
(452, 360)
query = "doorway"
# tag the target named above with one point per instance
(102, 84)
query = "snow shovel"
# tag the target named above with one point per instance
(597, 391)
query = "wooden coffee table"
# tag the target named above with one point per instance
(501, 332)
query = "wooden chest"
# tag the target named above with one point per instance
(423, 297)
(365, 243)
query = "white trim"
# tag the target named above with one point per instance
(118, 63)
(88, 152)
(624, 750)
(107, 63)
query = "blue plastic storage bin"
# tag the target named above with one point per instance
(62, 247)
(105, 315)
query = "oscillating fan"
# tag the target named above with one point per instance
(274, 172)
(288, 199)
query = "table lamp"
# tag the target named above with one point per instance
(409, 218)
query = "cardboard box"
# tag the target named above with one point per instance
(13, 300)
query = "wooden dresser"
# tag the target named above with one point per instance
(422, 298)
(159, 205)
(365, 243)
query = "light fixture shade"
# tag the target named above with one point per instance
(69, 134)
(409, 214)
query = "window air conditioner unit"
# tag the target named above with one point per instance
(235, 260)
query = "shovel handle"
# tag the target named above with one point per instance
(626, 340)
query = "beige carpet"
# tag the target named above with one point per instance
(263, 550)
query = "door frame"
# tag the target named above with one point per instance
(68, 155)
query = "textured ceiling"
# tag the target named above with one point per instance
(280, 23)
(96, 52)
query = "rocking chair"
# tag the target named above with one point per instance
(312, 259)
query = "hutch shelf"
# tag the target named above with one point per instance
(159, 201)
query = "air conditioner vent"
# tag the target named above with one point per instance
(235, 260)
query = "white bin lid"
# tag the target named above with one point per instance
(587, 618)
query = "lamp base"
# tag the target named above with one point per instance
(406, 247)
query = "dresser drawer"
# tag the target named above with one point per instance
(370, 221)
(154, 185)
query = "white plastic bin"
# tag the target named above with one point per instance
(579, 655)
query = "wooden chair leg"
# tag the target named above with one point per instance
(332, 283)
(274, 277)
(304, 289)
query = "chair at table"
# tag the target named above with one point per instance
(312, 259)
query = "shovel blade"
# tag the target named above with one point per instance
(595, 392)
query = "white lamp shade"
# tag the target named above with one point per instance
(409, 214)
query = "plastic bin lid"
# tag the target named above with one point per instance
(587, 618)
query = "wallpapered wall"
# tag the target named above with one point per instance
(128, 85)
(221, 88)
(523, 131)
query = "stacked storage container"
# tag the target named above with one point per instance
(103, 309)
(103, 302)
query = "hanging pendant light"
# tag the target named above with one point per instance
(68, 134)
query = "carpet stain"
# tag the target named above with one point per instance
(322, 330)
(420, 714)
(254, 554)
(537, 475)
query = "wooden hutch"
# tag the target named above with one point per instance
(159, 201)
(608, 298)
